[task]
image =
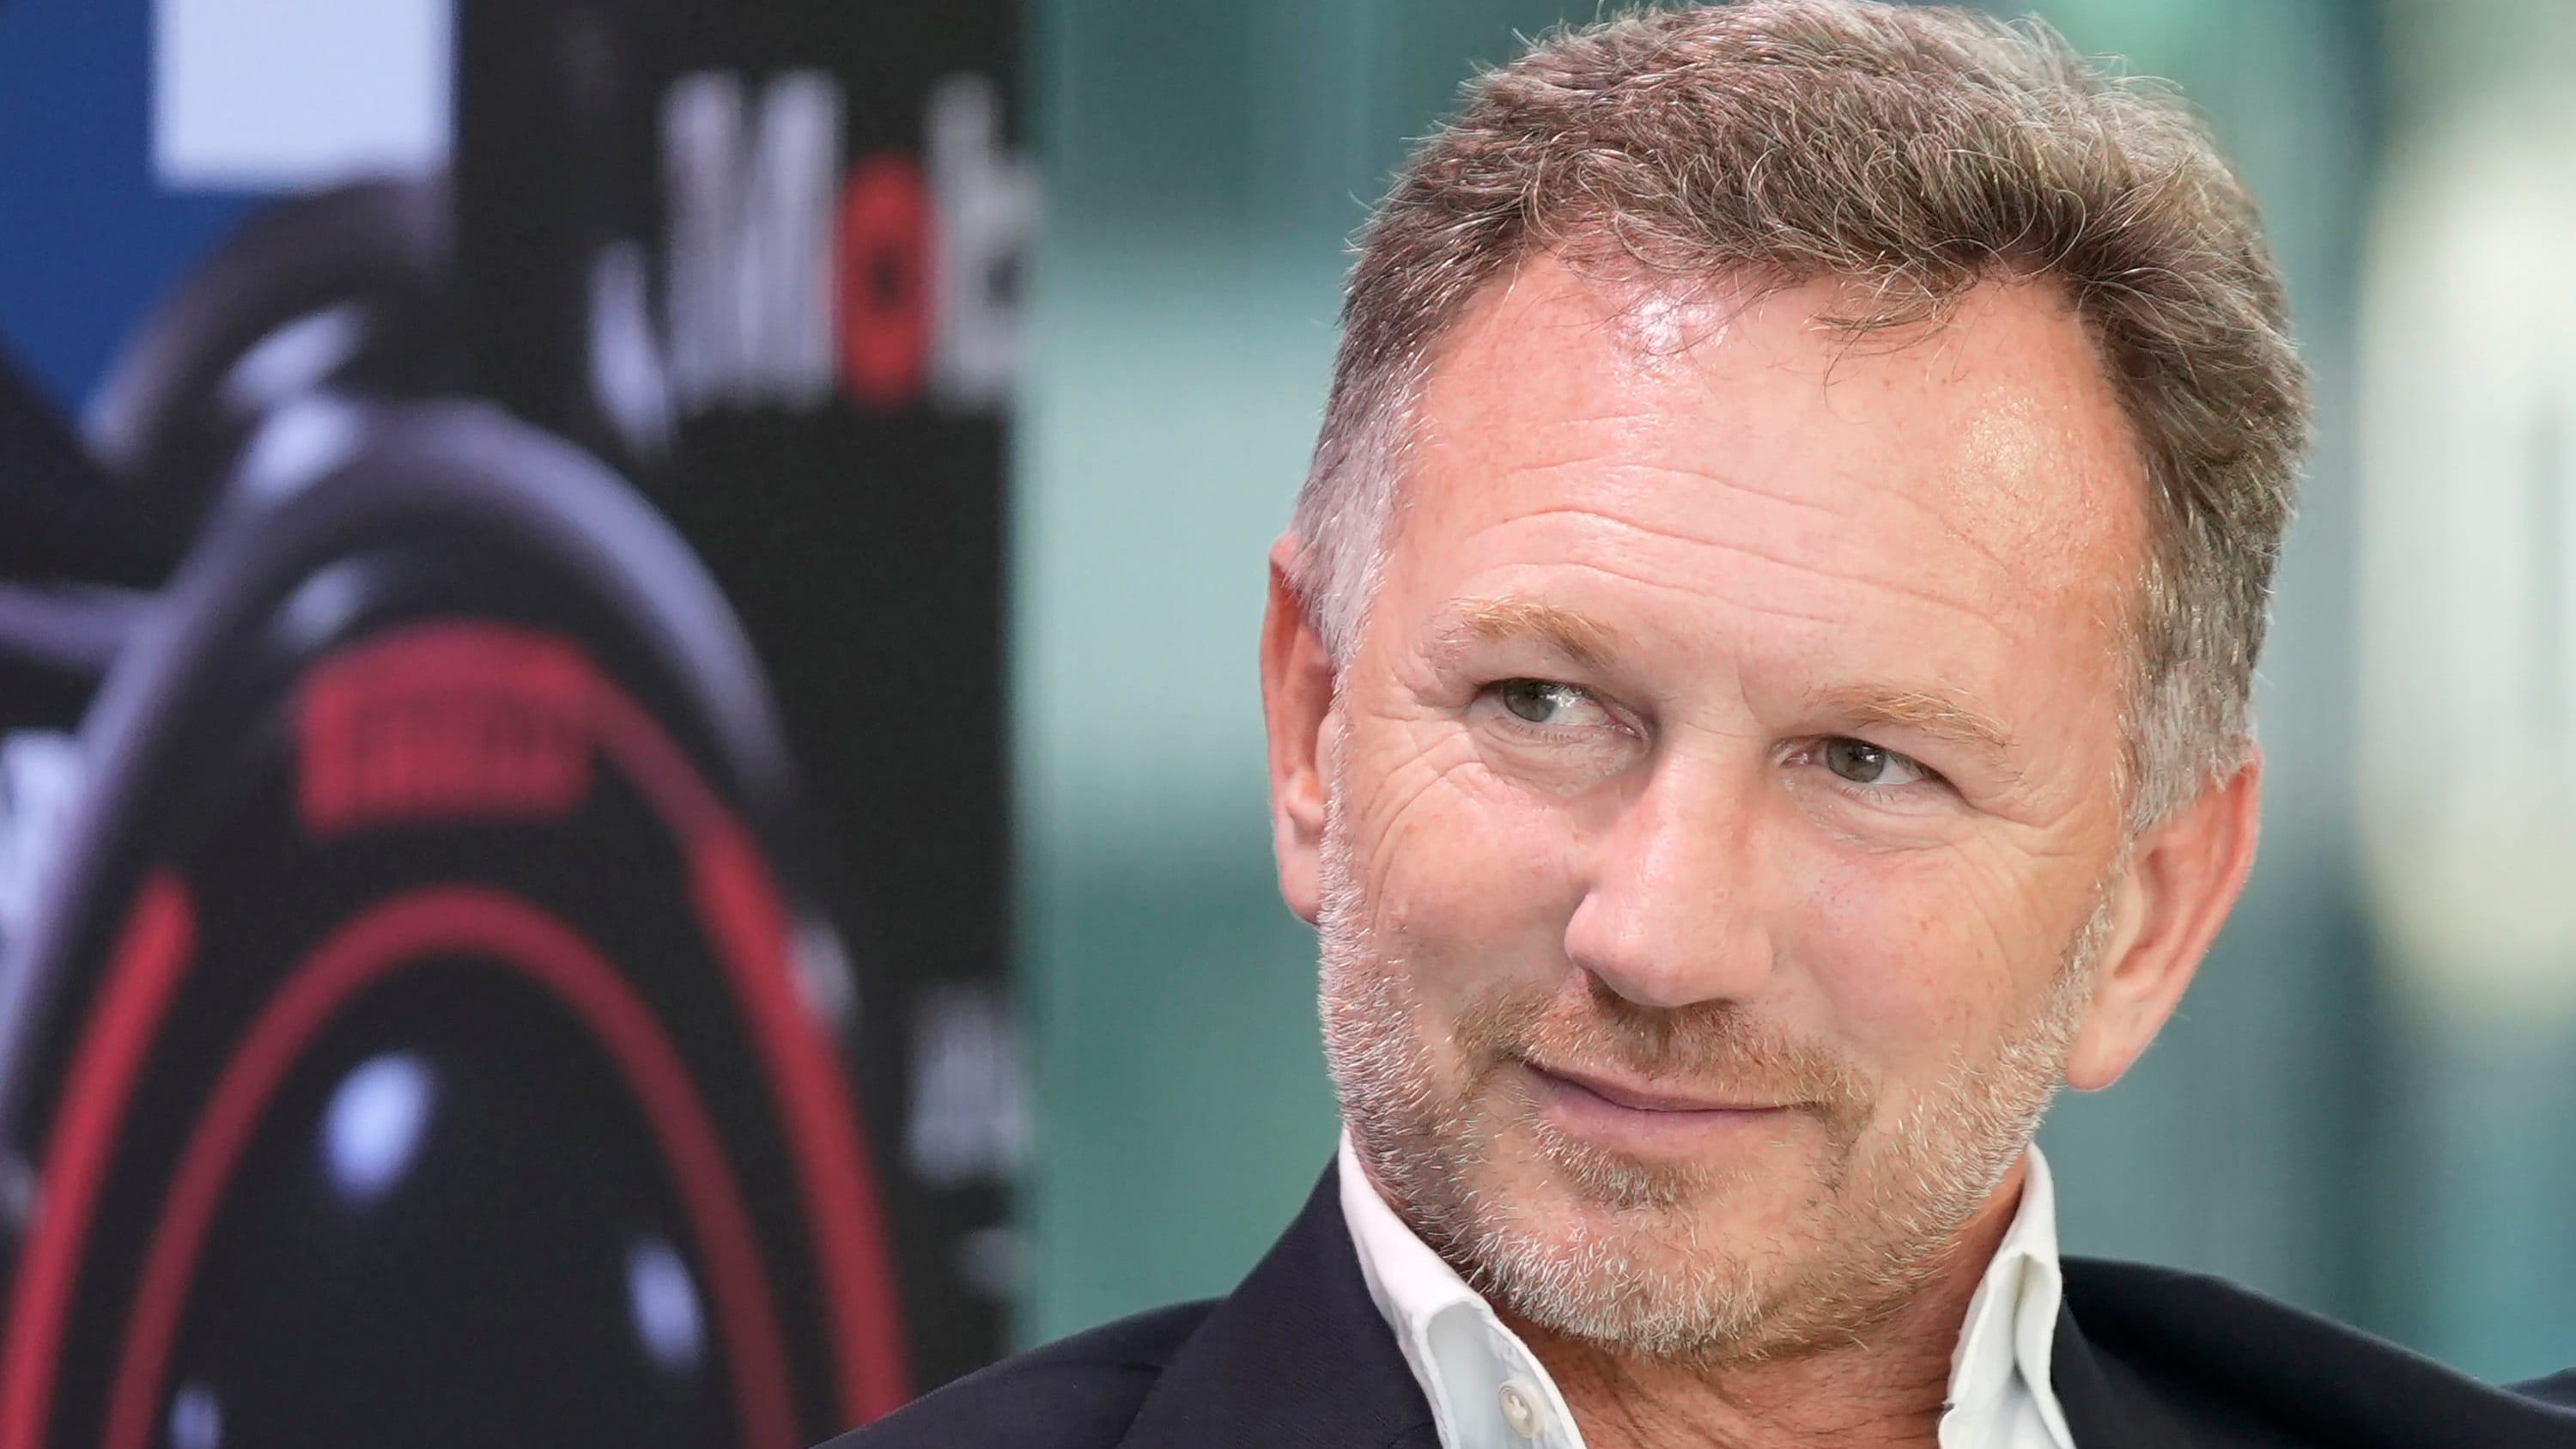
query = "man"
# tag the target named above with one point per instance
(1757, 692)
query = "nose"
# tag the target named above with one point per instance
(1673, 908)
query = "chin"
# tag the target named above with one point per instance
(1637, 1255)
(1629, 1280)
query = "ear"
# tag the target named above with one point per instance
(1296, 703)
(2183, 879)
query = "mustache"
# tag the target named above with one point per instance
(1716, 1048)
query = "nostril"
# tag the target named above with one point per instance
(1650, 954)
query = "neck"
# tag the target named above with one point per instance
(1884, 1386)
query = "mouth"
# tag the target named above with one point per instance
(1649, 1118)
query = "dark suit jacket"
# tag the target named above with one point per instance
(1298, 1358)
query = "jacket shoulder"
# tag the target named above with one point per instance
(1077, 1393)
(2559, 1389)
(2226, 1352)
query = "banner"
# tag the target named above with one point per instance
(502, 818)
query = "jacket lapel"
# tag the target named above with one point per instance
(1296, 1358)
(2103, 1412)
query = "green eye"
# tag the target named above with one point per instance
(1863, 763)
(1538, 701)
(1856, 761)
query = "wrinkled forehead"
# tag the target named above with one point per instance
(1984, 450)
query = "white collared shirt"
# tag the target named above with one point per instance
(1488, 1391)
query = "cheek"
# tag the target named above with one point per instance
(1470, 882)
(1917, 956)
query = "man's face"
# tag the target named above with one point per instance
(1721, 798)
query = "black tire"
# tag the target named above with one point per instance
(264, 804)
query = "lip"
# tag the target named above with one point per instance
(1650, 1120)
(1638, 1097)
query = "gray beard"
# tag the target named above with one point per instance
(1636, 1275)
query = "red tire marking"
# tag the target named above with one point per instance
(802, 1066)
(143, 973)
(740, 908)
(448, 920)
(806, 1076)
(441, 725)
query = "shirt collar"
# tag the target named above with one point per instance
(1488, 1391)
(2000, 1369)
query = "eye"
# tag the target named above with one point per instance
(1863, 763)
(1545, 702)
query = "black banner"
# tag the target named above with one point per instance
(502, 816)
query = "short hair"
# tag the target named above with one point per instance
(1915, 152)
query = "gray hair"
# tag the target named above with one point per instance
(1914, 152)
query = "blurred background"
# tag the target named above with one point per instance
(895, 403)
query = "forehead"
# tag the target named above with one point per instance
(1981, 468)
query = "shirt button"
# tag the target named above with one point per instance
(1519, 1412)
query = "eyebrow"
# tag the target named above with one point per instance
(1497, 621)
(1939, 715)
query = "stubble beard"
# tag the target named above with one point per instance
(1632, 1271)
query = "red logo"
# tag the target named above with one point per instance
(790, 276)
